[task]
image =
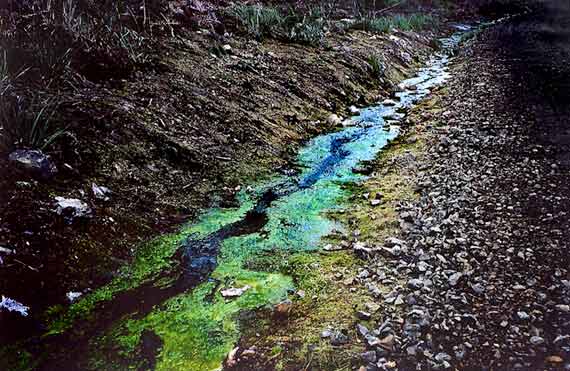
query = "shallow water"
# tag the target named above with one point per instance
(226, 248)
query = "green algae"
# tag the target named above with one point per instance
(198, 329)
(151, 259)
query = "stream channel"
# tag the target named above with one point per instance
(171, 299)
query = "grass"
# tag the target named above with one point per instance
(375, 66)
(22, 123)
(411, 22)
(259, 20)
(266, 21)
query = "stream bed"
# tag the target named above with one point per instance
(176, 307)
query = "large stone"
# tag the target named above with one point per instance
(34, 162)
(72, 208)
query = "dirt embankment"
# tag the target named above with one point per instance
(213, 115)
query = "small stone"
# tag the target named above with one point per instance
(387, 342)
(454, 278)
(231, 360)
(372, 307)
(339, 338)
(363, 315)
(34, 162)
(442, 357)
(554, 359)
(283, 308)
(234, 292)
(523, 316)
(73, 296)
(369, 357)
(563, 308)
(100, 192)
(362, 330)
(71, 208)
(536, 340)
(334, 120)
(375, 202)
(415, 284)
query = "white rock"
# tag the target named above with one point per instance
(72, 296)
(14, 306)
(234, 292)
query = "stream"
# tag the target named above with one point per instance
(230, 257)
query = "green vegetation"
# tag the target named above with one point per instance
(266, 21)
(375, 66)
(411, 22)
(258, 20)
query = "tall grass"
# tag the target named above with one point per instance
(259, 20)
(375, 66)
(265, 21)
(412, 22)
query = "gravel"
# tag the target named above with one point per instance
(480, 270)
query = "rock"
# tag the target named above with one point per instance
(33, 162)
(387, 342)
(389, 102)
(523, 316)
(334, 120)
(442, 357)
(331, 247)
(249, 352)
(326, 334)
(231, 360)
(393, 241)
(227, 48)
(362, 330)
(73, 296)
(563, 308)
(354, 110)
(339, 338)
(283, 308)
(368, 357)
(478, 288)
(375, 202)
(72, 208)
(6, 251)
(454, 279)
(536, 340)
(101, 193)
(554, 359)
(234, 292)
(415, 284)
(12, 305)
(372, 307)
(363, 315)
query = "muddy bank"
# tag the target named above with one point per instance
(477, 274)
